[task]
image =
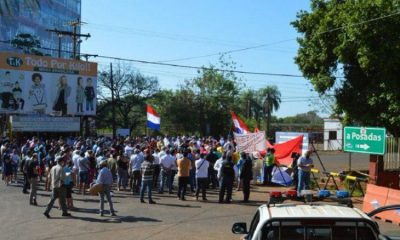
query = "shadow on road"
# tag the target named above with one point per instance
(179, 205)
(118, 219)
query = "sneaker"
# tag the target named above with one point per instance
(101, 214)
(66, 215)
(113, 214)
(46, 215)
(142, 201)
(152, 202)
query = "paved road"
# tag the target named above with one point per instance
(168, 219)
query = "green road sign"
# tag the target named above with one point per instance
(364, 140)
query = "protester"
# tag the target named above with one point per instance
(135, 168)
(32, 174)
(184, 165)
(269, 166)
(83, 163)
(105, 178)
(122, 172)
(226, 173)
(147, 171)
(304, 164)
(166, 162)
(57, 176)
(68, 183)
(201, 176)
(246, 175)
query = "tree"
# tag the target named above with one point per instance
(131, 91)
(271, 101)
(28, 43)
(360, 41)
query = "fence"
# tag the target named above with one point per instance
(391, 159)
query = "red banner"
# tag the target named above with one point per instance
(283, 151)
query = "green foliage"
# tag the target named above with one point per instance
(359, 40)
(28, 43)
(310, 117)
(271, 101)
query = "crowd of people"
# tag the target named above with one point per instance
(139, 165)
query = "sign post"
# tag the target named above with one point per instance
(366, 140)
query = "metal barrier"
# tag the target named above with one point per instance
(391, 159)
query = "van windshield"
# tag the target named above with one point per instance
(353, 231)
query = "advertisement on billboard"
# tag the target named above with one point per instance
(44, 124)
(44, 85)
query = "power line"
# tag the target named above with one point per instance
(183, 66)
(287, 40)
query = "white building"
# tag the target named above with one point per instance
(333, 134)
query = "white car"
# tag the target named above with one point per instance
(313, 221)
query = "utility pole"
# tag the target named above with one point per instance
(75, 36)
(114, 130)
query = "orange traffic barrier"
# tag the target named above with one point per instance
(374, 198)
(393, 198)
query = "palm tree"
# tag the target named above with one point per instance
(271, 100)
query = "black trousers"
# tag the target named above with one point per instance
(246, 188)
(201, 185)
(136, 181)
(226, 185)
(182, 184)
(26, 185)
(156, 174)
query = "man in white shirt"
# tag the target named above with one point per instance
(157, 167)
(167, 163)
(128, 150)
(75, 168)
(202, 176)
(135, 164)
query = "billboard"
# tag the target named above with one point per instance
(44, 85)
(44, 124)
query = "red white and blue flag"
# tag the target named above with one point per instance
(153, 120)
(239, 126)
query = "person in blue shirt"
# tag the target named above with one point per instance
(68, 183)
(106, 179)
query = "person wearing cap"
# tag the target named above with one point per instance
(304, 165)
(106, 179)
(57, 176)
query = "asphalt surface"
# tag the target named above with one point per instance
(170, 218)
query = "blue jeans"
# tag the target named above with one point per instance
(106, 192)
(192, 179)
(122, 177)
(165, 179)
(304, 181)
(146, 184)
